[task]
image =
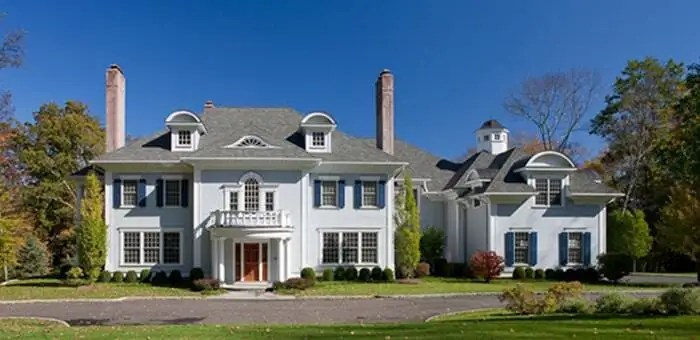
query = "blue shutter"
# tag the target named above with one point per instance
(510, 249)
(563, 249)
(159, 192)
(357, 194)
(117, 193)
(533, 249)
(317, 193)
(381, 194)
(586, 249)
(184, 192)
(142, 192)
(341, 194)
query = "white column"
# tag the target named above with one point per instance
(222, 263)
(280, 260)
(286, 257)
(197, 231)
(112, 259)
(214, 258)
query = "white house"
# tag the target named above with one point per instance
(253, 195)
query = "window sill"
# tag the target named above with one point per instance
(150, 264)
(128, 206)
(328, 207)
(543, 207)
(370, 207)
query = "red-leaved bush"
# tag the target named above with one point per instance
(486, 264)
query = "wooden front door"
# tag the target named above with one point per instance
(254, 258)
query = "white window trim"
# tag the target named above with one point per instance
(176, 140)
(527, 231)
(121, 192)
(340, 246)
(327, 142)
(362, 193)
(141, 232)
(179, 191)
(568, 248)
(562, 199)
(337, 194)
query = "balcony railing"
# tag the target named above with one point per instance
(235, 218)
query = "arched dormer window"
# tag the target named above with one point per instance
(318, 128)
(185, 130)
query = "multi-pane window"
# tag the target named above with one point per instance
(151, 247)
(329, 193)
(575, 248)
(269, 201)
(171, 248)
(522, 247)
(129, 195)
(331, 253)
(497, 137)
(350, 247)
(318, 139)
(172, 192)
(251, 201)
(369, 247)
(132, 248)
(233, 200)
(369, 194)
(548, 191)
(184, 138)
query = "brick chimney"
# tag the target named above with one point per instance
(384, 88)
(115, 102)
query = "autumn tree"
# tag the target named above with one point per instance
(59, 141)
(634, 121)
(679, 228)
(91, 236)
(555, 103)
(407, 235)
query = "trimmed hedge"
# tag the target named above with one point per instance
(118, 277)
(339, 274)
(131, 277)
(196, 273)
(308, 273)
(160, 278)
(365, 275)
(175, 277)
(351, 274)
(549, 274)
(519, 273)
(529, 273)
(377, 274)
(440, 268)
(539, 274)
(328, 274)
(145, 275)
(105, 276)
(388, 275)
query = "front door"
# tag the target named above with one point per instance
(254, 262)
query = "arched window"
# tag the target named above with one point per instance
(251, 191)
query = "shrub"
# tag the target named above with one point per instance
(681, 301)
(613, 266)
(328, 274)
(204, 284)
(145, 275)
(459, 270)
(175, 277)
(570, 275)
(559, 274)
(432, 244)
(131, 277)
(74, 273)
(33, 258)
(645, 306)
(351, 274)
(118, 277)
(440, 267)
(365, 275)
(612, 303)
(295, 283)
(423, 269)
(561, 292)
(523, 300)
(308, 273)
(196, 273)
(105, 276)
(529, 273)
(575, 306)
(91, 235)
(591, 275)
(539, 274)
(377, 274)
(486, 264)
(519, 273)
(549, 274)
(388, 275)
(339, 274)
(160, 278)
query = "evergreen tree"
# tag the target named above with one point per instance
(407, 235)
(91, 236)
(33, 258)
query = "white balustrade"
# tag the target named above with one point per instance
(235, 218)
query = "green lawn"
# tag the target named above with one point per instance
(458, 327)
(433, 285)
(55, 289)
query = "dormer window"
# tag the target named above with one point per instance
(184, 138)
(548, 192)
(318, 139)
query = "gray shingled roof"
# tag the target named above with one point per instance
(587, 181)
(492, 124)
(423, 164)
(276, 126)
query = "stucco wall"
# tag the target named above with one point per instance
(548, 223)
(476, 229)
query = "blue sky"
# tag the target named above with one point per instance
(454, 61)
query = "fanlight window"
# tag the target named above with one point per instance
(250, 142)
